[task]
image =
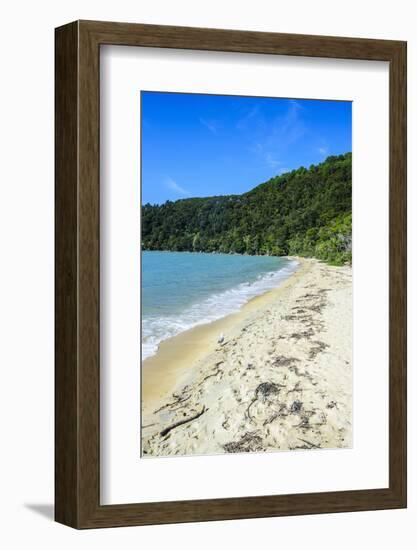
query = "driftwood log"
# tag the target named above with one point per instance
(181, 422)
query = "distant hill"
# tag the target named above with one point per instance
(306, 212)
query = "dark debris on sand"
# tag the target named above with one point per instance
(249, 442)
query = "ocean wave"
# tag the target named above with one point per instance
(157, 329)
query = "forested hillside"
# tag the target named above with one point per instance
(306, 212)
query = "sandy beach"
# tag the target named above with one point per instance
(279, 379)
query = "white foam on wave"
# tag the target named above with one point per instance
(157, 329)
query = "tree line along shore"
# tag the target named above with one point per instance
(305, 212)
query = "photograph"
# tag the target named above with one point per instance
(246, 274)
(208, 271)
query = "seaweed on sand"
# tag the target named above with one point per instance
(282, 361)
(307, 334)
(263, 391)
(249, 442)
(319, 347)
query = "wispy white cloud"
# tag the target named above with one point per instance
(323, 151)
(211, 125)
(243, 122)
(270, 139)
(271, 160)
(173, 185)
(290, 127)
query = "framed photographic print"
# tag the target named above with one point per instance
(230, 274)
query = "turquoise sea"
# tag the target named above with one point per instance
(182, 289)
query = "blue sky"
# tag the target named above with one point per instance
(196, 145)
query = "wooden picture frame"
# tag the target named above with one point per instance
(77, 374)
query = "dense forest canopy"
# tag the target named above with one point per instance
(306, 212)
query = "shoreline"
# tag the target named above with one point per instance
(163, 371)
(219, 303)
(280, 380)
